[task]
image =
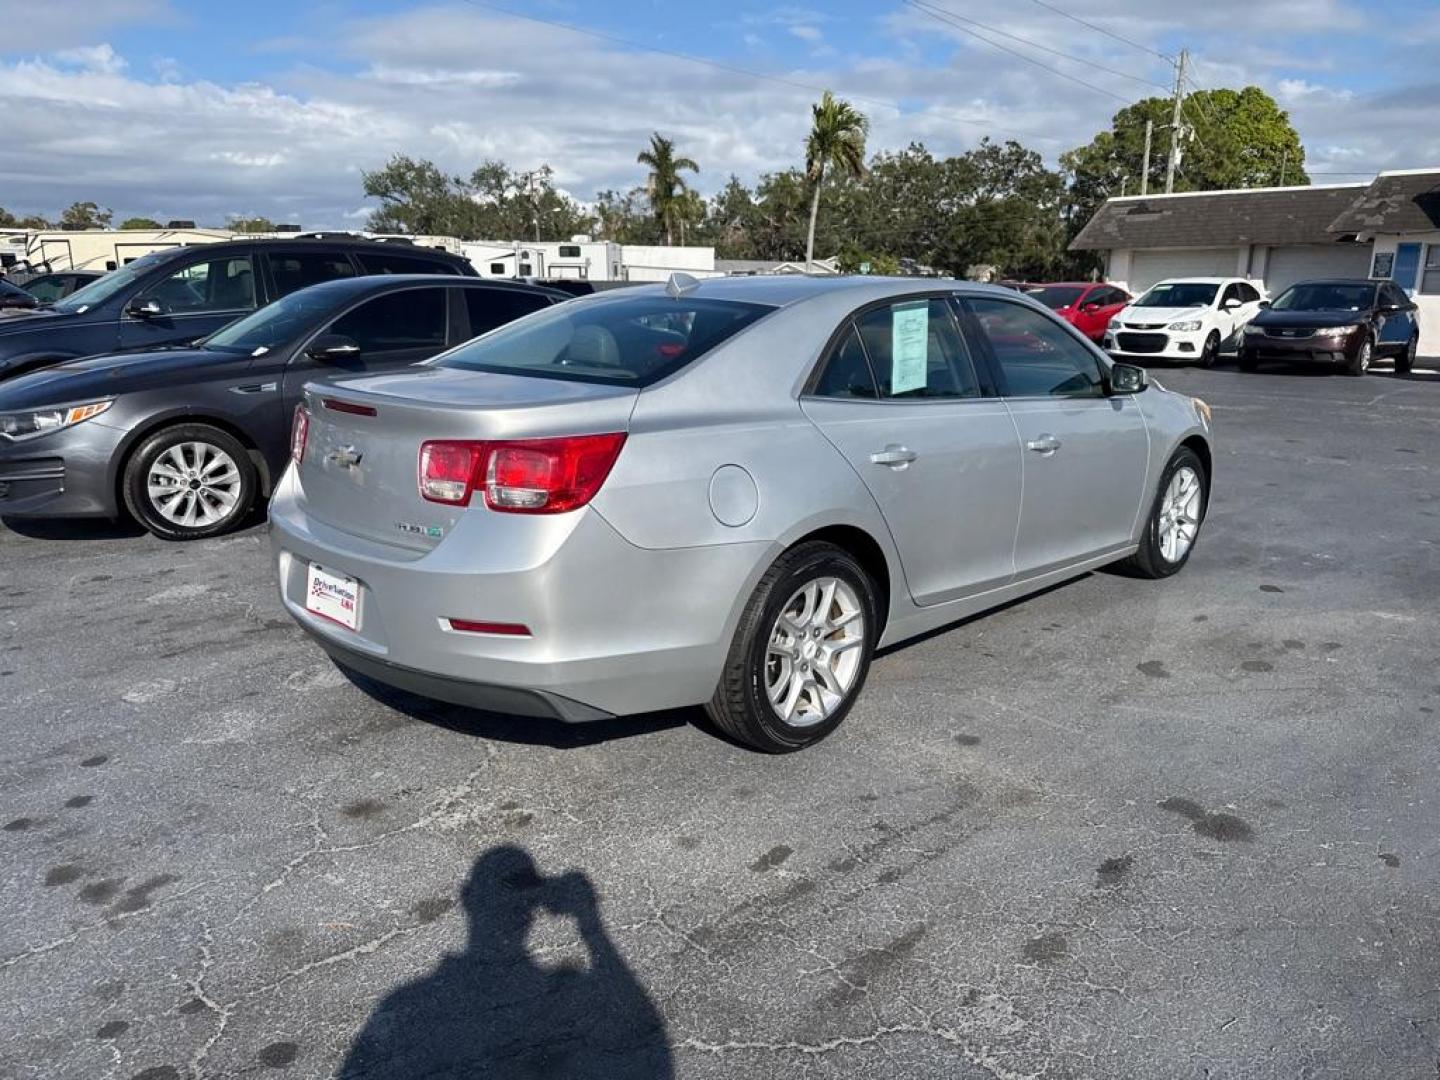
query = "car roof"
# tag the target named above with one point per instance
(784, 290)
(344, 288)
(1197, 281)
(349, 243)
(1338, 281)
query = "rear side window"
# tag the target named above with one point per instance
(915, 351)
(387, 262)
(412, 319)
(1038, 357)
(489, 308)
(623, 341)
(296, 270)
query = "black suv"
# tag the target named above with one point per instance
(178, 296)
(1344, 323)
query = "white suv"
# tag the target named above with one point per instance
(1184, 319)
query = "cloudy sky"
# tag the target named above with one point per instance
(183, 108)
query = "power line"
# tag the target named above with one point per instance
(1108, 33)
(1048, 49)
(748, 73)
(944, 17)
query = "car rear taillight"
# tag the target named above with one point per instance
(449, 470)
(299, 434)
(522, 476)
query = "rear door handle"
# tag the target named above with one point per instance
(1045, 444)
(894, 456)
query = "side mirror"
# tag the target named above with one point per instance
(1264, 303)
(145, 309)
(333, 349)
(1090, 308)
(1128, 379)
(1230, 305)
(19, 302)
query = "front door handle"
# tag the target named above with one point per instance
(1046, 444)
(895, 456)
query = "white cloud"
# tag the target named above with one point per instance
(51, 25)
(459, 85)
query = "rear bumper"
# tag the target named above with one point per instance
(615, 629)
(64, 474)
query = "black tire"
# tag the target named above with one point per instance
(1405, 358)
(211, 517)
(741, 707)
(1210, 352)
(1150, 560)
(1359, 364)
(1247, 362)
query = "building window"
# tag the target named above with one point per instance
(1430, 280)
(498, 269)
(569, 251)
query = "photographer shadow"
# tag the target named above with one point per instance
(492, 1011)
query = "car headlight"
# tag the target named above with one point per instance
(29, 424)
(1202, 411)
(1251, 330)
(1190, 324)
(1337, 331)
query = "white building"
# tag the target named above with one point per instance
(1388, 228)
(583, 258)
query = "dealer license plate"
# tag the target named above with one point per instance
(334, 597)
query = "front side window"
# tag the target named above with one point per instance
(272, 326)
(296, 270)
(915, 351)
(410, 319)
(622, 341)
(1179, 294)
(226, 284)
(1232, 292)
(103, 288)
(1037, 357)
(46, 290)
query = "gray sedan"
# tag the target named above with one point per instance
(727, 492)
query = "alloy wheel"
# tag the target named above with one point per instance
(1362, 358)
(1179, 514)
(813, 655)
(194, 484)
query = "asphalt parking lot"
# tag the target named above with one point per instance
(1121, 829)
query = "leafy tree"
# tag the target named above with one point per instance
(250, 225)
(1231, 139)
(85, 215)
(837, 137)
(665, 186)
(141, 223)
(415, 197)
(33, 222)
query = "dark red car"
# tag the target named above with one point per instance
(1085, 305)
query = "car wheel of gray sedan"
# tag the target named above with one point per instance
(189, 482)
(1360, 362)
(1175, 518)
(1405, 360)
(1211, 350)
(801, 652)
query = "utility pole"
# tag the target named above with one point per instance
(1176, 120)
(1145, 173)
(1284, 161)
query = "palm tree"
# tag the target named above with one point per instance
(665, 186)
(837, 137)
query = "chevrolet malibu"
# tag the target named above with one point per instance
(727, 493)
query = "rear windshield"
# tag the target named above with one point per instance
(1325, 296)
(622, 341)
(1055, 297)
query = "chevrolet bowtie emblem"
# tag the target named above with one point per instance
(347, 457)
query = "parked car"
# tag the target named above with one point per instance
(1183, 319)
(724, 492)
(185, 440)
(1086, 305)
(47, 288)
(1346, 323)
(180, 295)
(14, 298)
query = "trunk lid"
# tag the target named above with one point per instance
(361, 468)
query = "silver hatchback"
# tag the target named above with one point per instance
(726, 492)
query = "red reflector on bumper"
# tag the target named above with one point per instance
(350, 407)
(469, 626)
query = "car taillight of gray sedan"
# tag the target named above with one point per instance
(726, 493)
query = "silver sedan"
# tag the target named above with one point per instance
(727, 492)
